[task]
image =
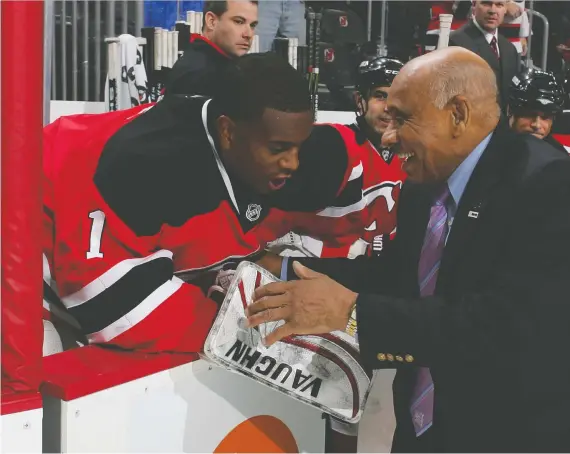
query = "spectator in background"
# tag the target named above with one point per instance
(536, 97)
(286, 17)
(516, 26)
(480, 35)
(437, 8)
(227, 31)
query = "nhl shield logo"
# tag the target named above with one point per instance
(387, 155)
(253, 212)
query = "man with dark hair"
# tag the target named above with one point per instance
(227, 32)
(536, 98)
(381, 178)
(139, 202)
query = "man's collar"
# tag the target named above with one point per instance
(197, 37)
(458, 179)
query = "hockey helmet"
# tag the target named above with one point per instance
(377, 72)
(535, 90)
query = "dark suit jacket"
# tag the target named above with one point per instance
(470, 37)
(199, 71)
(496, 334)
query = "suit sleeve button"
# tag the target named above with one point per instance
(399, 359)
(409, 358)
(390, 357)
(381, 357)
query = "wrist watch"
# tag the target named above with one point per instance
(351, 326)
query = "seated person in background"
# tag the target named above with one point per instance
(380, 176)
(140, 201)
(516, 27)
(227, 32)
(536, 97)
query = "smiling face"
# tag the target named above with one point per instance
(441, 105)
(374, 109)
(264, 153)
(489, 14)
(234, 29)
(421, 134)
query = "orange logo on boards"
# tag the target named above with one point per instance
(259, 434)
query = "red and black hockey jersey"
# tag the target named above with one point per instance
(363, 218)
(137, 199)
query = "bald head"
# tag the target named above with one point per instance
(442, 105)
(444, 74)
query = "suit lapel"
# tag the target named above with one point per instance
(483, 46)
(507, 64)
(478, 192)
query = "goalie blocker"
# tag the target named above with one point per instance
(323, 371)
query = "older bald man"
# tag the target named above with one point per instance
(472, 305)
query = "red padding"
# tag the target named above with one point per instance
(18, 402)
(21, 31)
(87, 370)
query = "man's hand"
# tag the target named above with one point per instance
(513, 10)
(524, 45)
(313, 305)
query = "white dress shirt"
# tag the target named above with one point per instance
(488, 36)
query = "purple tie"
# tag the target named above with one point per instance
(434, 242)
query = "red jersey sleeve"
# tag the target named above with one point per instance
(362, 217)
(120, 287)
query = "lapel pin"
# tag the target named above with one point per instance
(473, 214)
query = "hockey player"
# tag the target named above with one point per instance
(348, 230)
(227, 32)
(138, 202)
(536, 97)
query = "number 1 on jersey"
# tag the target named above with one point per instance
(96, 234)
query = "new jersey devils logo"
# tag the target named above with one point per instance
(343, 21)
(329, 55)
(381, 204)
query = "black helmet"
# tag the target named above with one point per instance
(377, 72)
(536, 90)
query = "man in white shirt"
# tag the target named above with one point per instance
(480, 35)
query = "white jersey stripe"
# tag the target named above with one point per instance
(108, 278)
(385, 190)
(139, 313)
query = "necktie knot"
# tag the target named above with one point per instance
(441, 195)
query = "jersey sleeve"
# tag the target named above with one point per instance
(122, 289)
(118, 285)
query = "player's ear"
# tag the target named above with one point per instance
(226, 131)
(359, 102)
